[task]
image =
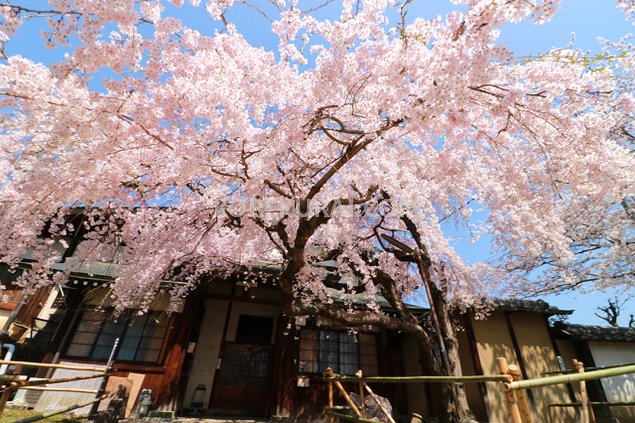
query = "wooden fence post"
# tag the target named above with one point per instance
(347, 397)
(329, 373)
(9, 387)
(521, 395)
(587, 409)
(512, 405)
(361, 394)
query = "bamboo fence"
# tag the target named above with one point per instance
(509, 378)
(15, 381)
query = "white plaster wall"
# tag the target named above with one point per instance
(619, 388)
(4, 316)
(207, 349)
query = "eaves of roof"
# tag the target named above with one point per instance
(592, 333)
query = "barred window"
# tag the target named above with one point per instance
(141, 337)
(338, 350)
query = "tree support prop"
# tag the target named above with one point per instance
(421, 379)
(349, 401)
(379, 404)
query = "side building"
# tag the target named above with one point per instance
(229, 350)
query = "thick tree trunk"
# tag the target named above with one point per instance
(458, 409)
(448, 401)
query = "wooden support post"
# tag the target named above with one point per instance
(586, 408)
(348, 399)
(521, 395)
(512, 405)
(5, 397)
(361, 394)
(329, 372)
(379, 404)
(10, 387)
(102, 387)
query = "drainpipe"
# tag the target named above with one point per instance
(7, 357)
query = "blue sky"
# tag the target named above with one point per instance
(588, 19)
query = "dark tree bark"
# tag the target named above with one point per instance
(454, 406)
(449, 401)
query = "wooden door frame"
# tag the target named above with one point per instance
(271, 393)
(221, 350)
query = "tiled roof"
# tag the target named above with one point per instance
(537, 306)
(593, 333)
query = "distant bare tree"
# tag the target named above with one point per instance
(611, 312)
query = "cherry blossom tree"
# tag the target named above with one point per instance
(353, 143)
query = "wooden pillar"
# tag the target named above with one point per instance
(521, 395)
(510, 399)
(585, 405)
